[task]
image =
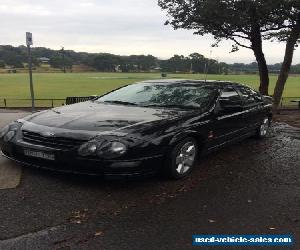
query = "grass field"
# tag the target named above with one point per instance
(59, 85)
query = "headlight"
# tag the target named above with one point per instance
(8, 132)
(87, 149)
(9, 135)
(15, 126)
(106, 150)
(110, 150)
(4, 131)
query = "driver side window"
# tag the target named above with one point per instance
(230, 101)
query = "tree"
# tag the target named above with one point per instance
(106, 62)
(55, 61)
(295, 69)
(194, 63)
(2, 64)
(15, 61)
(59, 62)
(137, 63)
(246, 23)
(179, 63)
(198, 62)
(291, 35)
(35, 62)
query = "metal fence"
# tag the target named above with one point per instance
(26, 103)
(286, 102)
(42, 103)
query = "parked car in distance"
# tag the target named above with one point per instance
(140, 129)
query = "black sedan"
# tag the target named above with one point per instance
(139, 129)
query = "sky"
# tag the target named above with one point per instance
(122, 27)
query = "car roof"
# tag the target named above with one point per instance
(193, 82)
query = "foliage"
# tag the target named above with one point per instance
(59, 62)
(226, 19)
(246, 23)
(2, 64)
(105, 62)
(194, 63)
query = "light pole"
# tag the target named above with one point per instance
(207, 65)
(29, 42)
(63, 56)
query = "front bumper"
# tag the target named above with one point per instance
(71, 162)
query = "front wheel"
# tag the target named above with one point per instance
(182, 159)
(264, 128)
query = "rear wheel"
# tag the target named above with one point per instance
(264, 128)
(182, 159)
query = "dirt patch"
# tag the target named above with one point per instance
(291, 117)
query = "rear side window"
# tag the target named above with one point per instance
(250, 96)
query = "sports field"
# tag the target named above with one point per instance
(59, 85)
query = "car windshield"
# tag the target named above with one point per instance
(162, 95)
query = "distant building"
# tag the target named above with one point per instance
(44, 59)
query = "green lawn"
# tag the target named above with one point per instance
(58, 85)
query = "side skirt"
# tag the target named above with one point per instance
(230, 142)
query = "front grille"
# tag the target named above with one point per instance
(49, 141)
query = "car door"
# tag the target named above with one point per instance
(228, 122)
(253, 107)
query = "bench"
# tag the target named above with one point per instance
(297, 101)
(77, 99)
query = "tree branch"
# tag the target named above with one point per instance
(239, 44)
(276, 29)
(240, 36)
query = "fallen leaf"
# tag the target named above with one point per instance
(99, 233)
(77, 217)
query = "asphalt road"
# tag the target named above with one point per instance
(250, 187)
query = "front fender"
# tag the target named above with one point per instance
(200, 138)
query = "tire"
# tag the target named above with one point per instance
(263, 130)
(181, 159)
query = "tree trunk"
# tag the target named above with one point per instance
(286, 65)
(263, 73)
(256, 42)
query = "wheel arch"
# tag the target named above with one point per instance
(200, 139)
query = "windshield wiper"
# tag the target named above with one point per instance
(121, 102)
(171, 106)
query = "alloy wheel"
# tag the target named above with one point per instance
(264, 127)
(185, 158)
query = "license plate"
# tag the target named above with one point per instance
(39, 154)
